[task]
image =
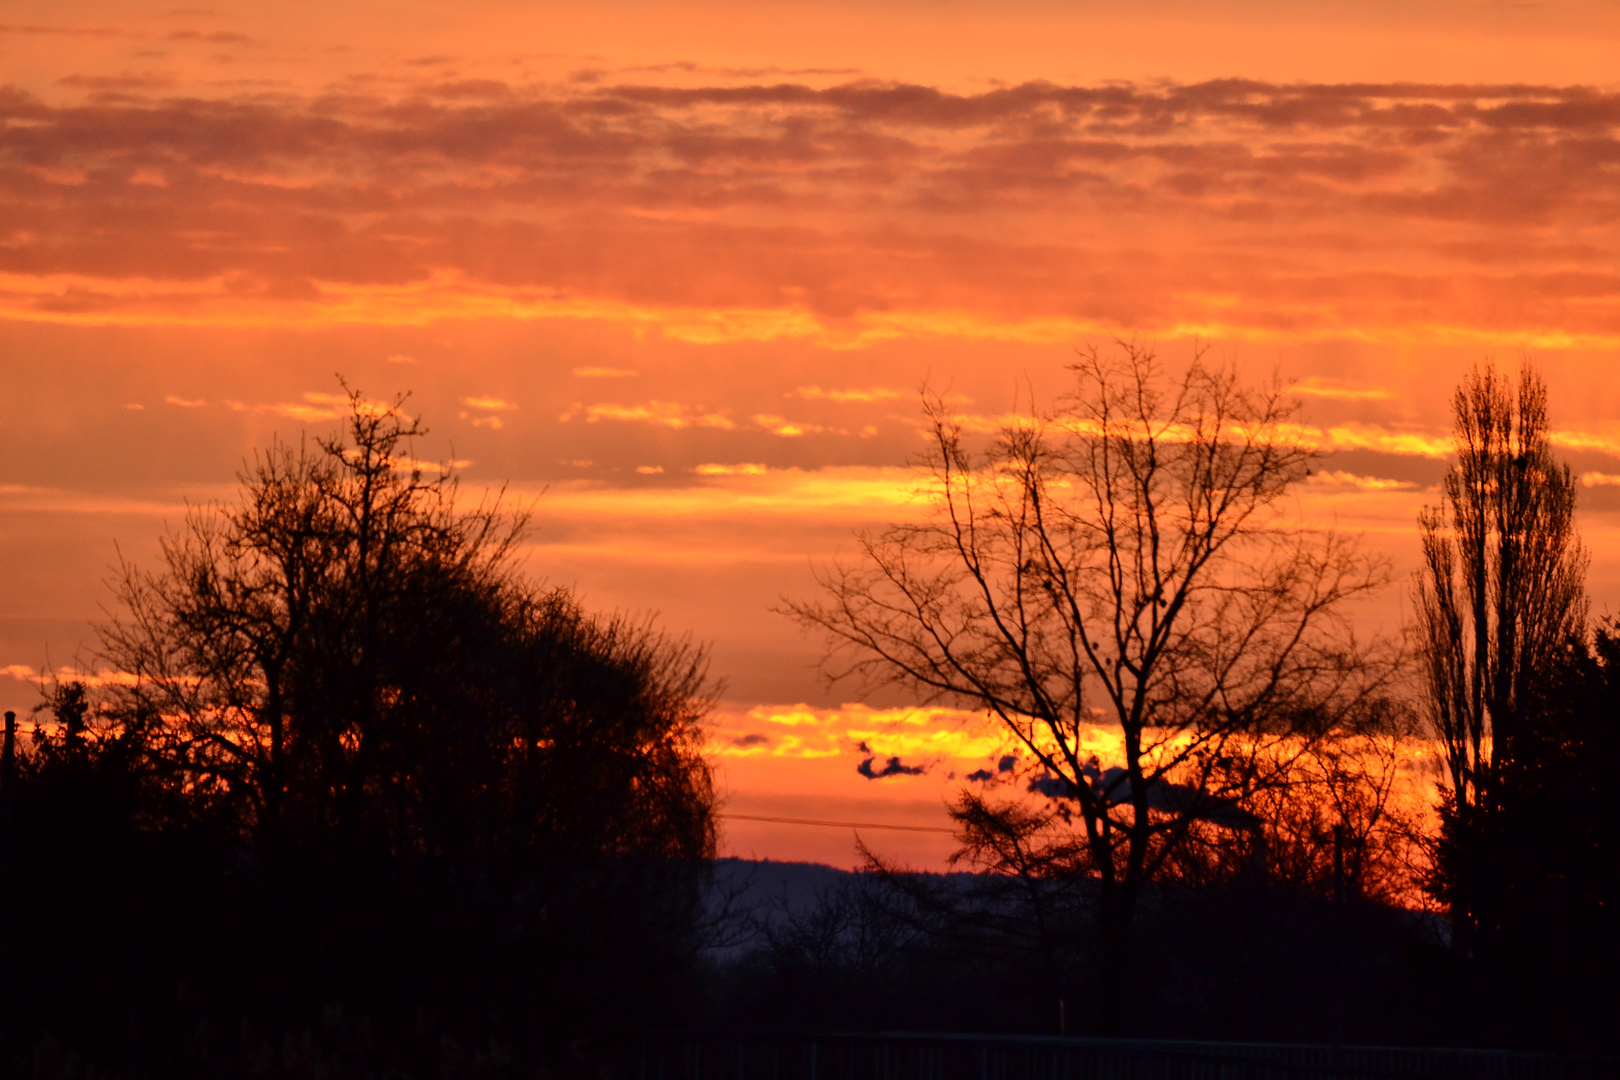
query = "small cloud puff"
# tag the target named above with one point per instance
(816, 393)
(669, 414)
(1005, 765)
(1340, 478)
(892, 768)
(747, 468)
(787, 429)
(603, 373)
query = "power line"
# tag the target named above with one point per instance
(840, 824)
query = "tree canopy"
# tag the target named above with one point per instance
(345, 652)
(1126, 559)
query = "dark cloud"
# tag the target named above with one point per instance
(754, 739)
(1113, 786)
(213, 37)
(67, 31)
(126, 81)
(892, 768)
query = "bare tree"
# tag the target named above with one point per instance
(1128, 559)
(1502, 590)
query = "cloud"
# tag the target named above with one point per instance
(1607, 442)
(602, 373)
(1599, 479)
(488, 404)
(747, 468)
(185, 403)
(787, 429)
(66, 31)
(1337, 389)
(316, 406)
(662, 413)
(127, 81)
(1339, 478)
(404, 463)
(43, 679)
(816, 393)
(847, 215)
(934, 733)
(650, 470)
(1004, 765)
(212, 37)
(892, 768)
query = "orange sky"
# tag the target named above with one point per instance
(683, 268)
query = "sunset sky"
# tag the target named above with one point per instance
(675, 274)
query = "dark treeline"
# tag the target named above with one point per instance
(351, 796)
(354, 799)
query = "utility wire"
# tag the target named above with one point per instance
(840, 824)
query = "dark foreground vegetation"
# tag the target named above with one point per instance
(351, 797)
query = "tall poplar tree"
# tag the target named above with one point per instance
(1500, 596)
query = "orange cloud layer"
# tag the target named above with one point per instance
(845, 214)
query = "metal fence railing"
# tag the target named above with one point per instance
(973, 1057)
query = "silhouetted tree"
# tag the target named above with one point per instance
(1554, 853)
(345, 653)
(1499, 599)
(347, 761)
(1127, 559)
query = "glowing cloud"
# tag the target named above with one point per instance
(1339, 478)
(787, 429)
(1316, 386)
(744, 469)
(816, 393)
(663, 413)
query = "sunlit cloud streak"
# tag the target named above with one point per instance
(669, 414)
(1337, 389)
(1340, 478)
(816, 393)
